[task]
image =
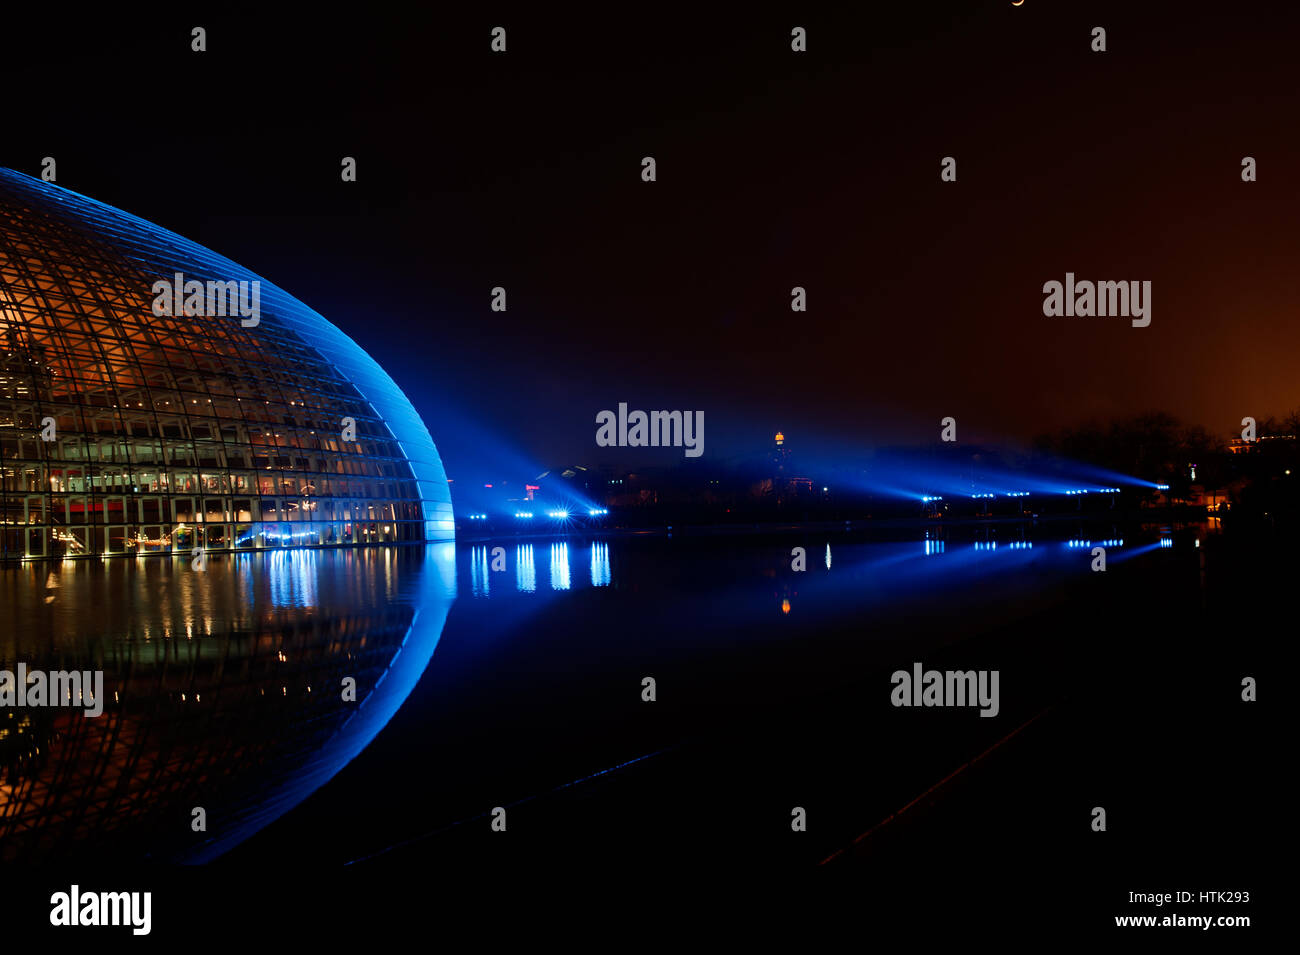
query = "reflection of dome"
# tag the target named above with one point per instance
(176, 431)
(222, 690)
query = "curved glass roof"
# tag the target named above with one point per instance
(212, 426)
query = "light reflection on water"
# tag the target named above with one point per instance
(600, 572)
(525, 569)
(719, 591)
(505, 563)
(224, 688)
(484, 561)
(225, 684)
(560, 566)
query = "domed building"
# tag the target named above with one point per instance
(227, 415)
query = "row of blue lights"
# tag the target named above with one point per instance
(937, 547)
(1113, 542)
(1100, 490)
(276, 536)
(554, 515)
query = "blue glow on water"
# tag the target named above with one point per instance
(480, 575)
(560, 566)
(525, 569)
(292, 577)
(600, 575)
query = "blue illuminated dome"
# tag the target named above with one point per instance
(123, 431)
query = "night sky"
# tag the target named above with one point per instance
(775, 169)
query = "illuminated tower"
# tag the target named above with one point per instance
(780, 453)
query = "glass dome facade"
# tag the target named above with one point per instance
(123, 431)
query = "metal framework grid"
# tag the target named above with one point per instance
(184, 431)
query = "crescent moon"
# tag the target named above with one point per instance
(1016, 3)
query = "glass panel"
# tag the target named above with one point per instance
(159, 418)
